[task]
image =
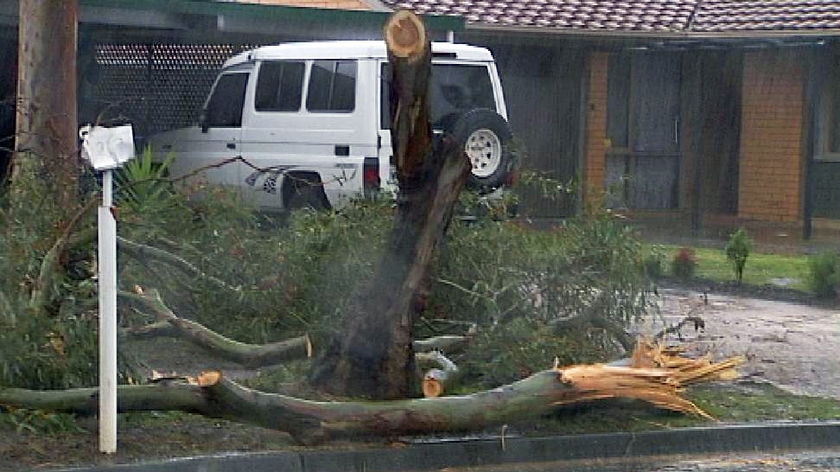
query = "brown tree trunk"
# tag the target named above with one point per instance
(373, 356)
(47, 136)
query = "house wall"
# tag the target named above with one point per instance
(596, 124)
(770, 175)
(543, 96)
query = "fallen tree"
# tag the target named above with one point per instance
(308, 421)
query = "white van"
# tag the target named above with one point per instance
(310, 122)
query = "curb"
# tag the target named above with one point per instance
(486, 452)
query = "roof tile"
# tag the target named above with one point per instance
(640, 15)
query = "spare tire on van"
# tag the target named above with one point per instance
(486, 138)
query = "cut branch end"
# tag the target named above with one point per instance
(209, 378)
(405, 35)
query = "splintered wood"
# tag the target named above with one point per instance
(656, 375)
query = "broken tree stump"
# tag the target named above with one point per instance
(372, 356)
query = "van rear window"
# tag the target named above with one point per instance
(455, 89)
(332, 87)
(279, 86)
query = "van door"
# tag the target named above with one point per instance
(385, 151)
(311, 129)
(218, 137)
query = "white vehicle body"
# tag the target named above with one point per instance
(310, 121)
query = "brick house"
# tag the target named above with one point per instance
(694, 108)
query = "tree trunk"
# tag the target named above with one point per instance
(46, 159)
(373, 356)
(312, 421)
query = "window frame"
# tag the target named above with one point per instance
(206, 120)
(300, 92)
(336, 63)
(828, 116)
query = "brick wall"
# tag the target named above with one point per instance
(770, 175)
(340, 4)
(596, 123)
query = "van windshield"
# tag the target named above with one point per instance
(455, 89)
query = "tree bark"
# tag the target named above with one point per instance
(46, 120)
(310, 421)
(249, 355)
(373, 357)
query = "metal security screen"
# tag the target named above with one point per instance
(156, 87)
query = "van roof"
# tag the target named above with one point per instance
(349, 50)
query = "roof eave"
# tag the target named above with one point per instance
(575, 33)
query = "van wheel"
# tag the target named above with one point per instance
(486, 137)
(299, 193)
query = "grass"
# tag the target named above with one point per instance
(728, 403)
(761, 269)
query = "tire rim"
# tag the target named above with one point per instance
(484, 149)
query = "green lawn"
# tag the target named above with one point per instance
(760, 269)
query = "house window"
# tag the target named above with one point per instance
(280, 86)
(828, 130)
(332, 87)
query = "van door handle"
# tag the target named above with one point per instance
(342, 150)
(231, 145)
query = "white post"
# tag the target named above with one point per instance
(107, 320)
(450, 36)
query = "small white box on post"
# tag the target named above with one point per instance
(107, 149)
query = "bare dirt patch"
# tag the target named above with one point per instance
(792, 345)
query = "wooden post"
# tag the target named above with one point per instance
(47, 135)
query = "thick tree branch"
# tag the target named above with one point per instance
(437, 379)
(249, 355)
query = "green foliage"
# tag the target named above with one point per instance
(684, 263)
(824, 274)
(142, 186)
(535, 295)
(538, 295)
(654, 262)
(47, 298)
(737, 251)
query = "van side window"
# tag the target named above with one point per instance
(279, 86)
(224, 109)
(332, 87)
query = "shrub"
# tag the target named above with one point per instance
(737, 251)
(684, 263)
(536, 295)
(824, 274)
(653, 262)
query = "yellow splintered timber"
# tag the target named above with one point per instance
(656, 375)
